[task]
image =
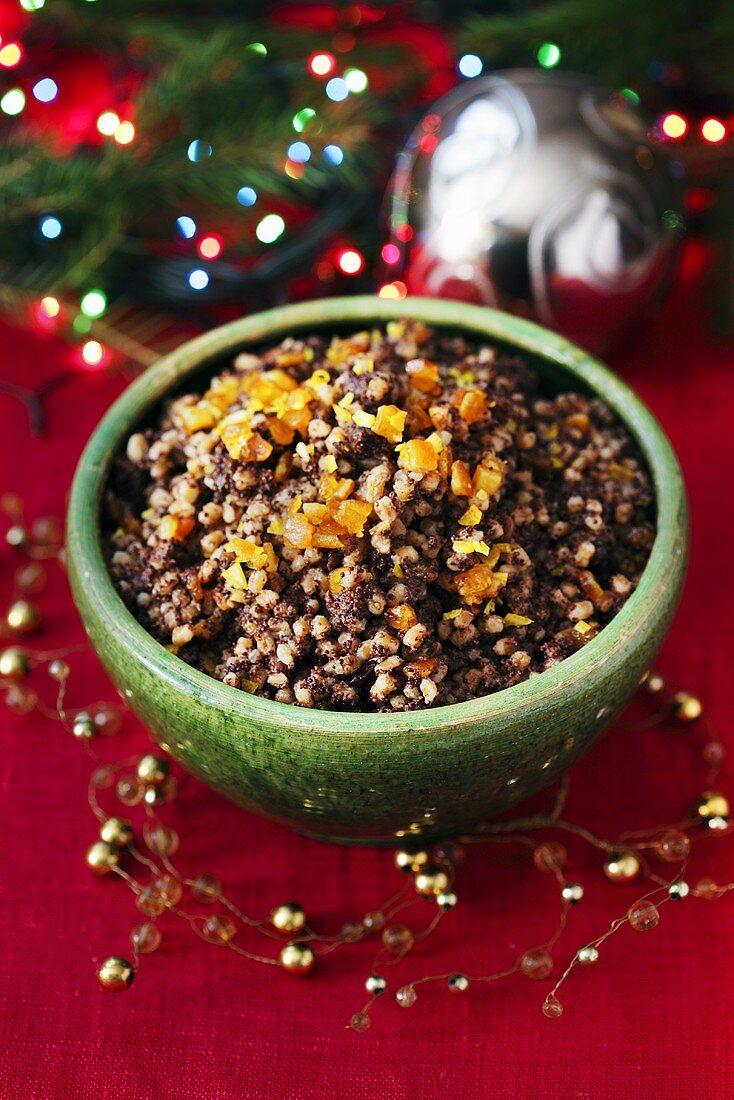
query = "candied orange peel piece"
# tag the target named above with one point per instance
(479, 583)
(471, 404)
(352, 515)
(401, 617)
(390, 423)
(461, 482)
(297, 531)
(472, 516)
(418, 456)
(516, 620)
(175, 528)
(489, 475)
(424, 375)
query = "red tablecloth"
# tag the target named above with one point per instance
(652, 1019)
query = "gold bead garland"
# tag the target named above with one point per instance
(149, 785)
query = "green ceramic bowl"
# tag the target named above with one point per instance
(375, 777)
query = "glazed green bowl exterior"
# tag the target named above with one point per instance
(377, 777)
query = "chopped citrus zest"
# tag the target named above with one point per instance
(335, 580)
(436, 442)
(454, 614)
(234, 575)
(364, 366)
(471, 516)
(330, 464)
(364, 419)
(398, 571)
(295, 505)
(582, 627)
(346, 400)
(395, 329)
(250, 686)
(147, 513)
(319, 378)
(276, 526)
(517, 620)
(470, 546)
(417, 455)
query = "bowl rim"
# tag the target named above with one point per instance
(84, 544)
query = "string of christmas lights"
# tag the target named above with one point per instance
(139, 848)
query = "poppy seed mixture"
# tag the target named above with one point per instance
(395, 519)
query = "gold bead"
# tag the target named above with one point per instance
(16, 536)
(14, 663)
(654, 683)
(288, 918)
(687, 707)
(622, 867)
(713, 804)
(153, 770)
(160, 795)
(411, 859)
(297, 958)
(23, 617)
(102, 858)
(116, 974)
(83, 726)
(433, 879)
(117, 831)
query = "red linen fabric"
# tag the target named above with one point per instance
(652, 1019)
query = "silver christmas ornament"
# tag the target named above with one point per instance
(538, 193)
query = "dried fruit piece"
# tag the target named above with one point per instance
(472, 405)
(175, 528)
(461, 483)
(417, 455)
(489, 475)
(479, 583)
(352, 515)
(197, 418)
(401, 617)
(297, 531)
(424, 375)
(471, 517)
(390, 423)
(517, 620)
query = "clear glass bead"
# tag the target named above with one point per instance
(536, 963)
(169, 888)
(20, 699)
(145, 938)
(206, 889)
(352, 932)
(673, 846)
(706, 888)
(150, 902)
(397, 939)
(162, 840)
(374, 922)
(406, 996)
(552, 1007)
(59, 671)
(219, 928)
(551, 856)
(130, 790)
(31, 579)
(107, 720)
(643, 916)
(103, 777)
(360, 1022)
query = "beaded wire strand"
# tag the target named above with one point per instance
(147, 783)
